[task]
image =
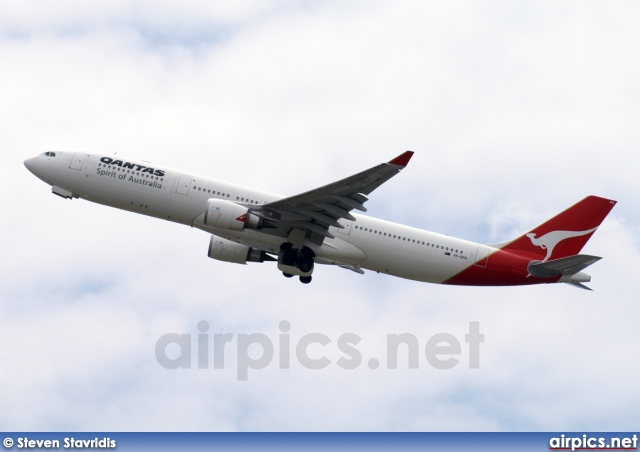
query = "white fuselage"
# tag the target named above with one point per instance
(181, 197)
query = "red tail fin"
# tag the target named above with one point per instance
(566, 233)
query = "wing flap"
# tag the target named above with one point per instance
(317, 210)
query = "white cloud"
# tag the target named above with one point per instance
(515, 112)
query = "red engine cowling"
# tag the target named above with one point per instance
(224, 214)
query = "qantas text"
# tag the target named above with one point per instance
(133, 166)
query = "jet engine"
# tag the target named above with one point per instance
(237, 253)
(224, 214)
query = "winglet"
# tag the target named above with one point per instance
(402, 160)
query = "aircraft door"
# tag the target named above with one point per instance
(78, 160)
(482, 257)
(347, 226)
(184, 184)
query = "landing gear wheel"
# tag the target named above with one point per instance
(287, 275)
(289, 257)
(305, 279)
(305, 264)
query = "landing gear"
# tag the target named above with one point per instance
(296, 262)
(305, 264)
(289, 257)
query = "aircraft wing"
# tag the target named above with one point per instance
(317, 210)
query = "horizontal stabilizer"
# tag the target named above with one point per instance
(563, 266)
(578, 285)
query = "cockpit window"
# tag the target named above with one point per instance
(50, 154)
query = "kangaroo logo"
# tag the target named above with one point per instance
(551, 239)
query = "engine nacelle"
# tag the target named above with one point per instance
(237, 253)
(225, 214)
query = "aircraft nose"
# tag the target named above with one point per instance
(31, 164)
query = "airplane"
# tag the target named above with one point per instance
(320, 226)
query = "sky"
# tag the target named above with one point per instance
(515, 111)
